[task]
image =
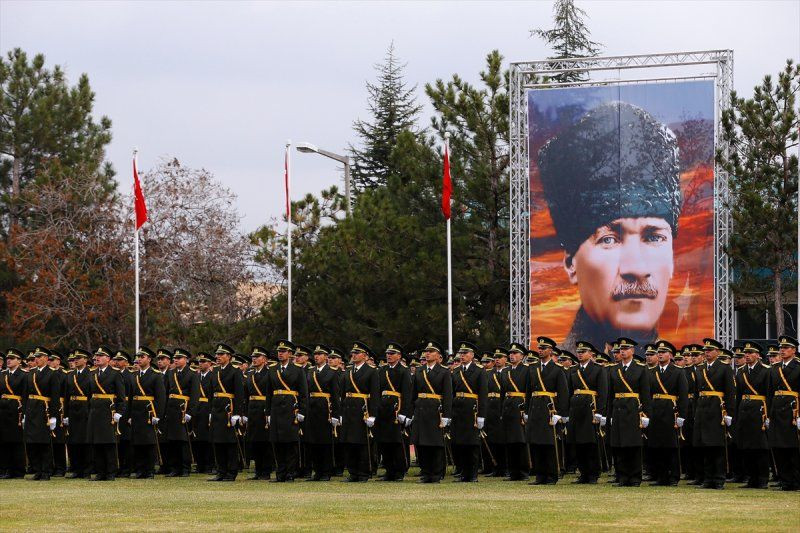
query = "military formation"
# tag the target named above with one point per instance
(704, 413)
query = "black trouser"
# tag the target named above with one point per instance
(468, 456)
(629, 465)
(180, 457)
(166, 455)
(203, 456)
(261, 452)
(79, 457)
(665, 465)
(687, 460)
(12, 459)
(500, 458)
(40, 457)
(304, 466)
(144, 459)
(59, 458)
(105, 460)
(126, 461)
(518, 464)
(787, 462)
(286, 455)
(358, 460)
(735, 466)
(545, 465)
(755, 464)
(394, 459)
(431, 462)
(714, 468)
(588, 460)
(321, 458)
(227, 459)
(339, 460)
(570, 459)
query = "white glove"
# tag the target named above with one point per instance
(129, 421)
(603, 421)
(243, 421)
(187, 418)
(401, 419)
(23, 420)
(728, 420)
(117, 418)
(480, 422)
(300, 417)
(209, 419)
(235, 420)
(679, 422)
(445, 422)
(554, 420)
(154, 421)
(370, 421)
(645, 421)
(411, 419)
(65, 421)
(525, 418)
(51, 422)
(335, 421)
(797, 422)
(766, 423)
(598, 418)
(565, 419)
(268, 419)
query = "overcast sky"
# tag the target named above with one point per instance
(223, 85)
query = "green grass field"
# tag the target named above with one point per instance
(181, 504)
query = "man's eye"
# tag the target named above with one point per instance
(608, 239)
(655, 237)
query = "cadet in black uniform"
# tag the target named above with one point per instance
(752, 416)
(41, 415)
(587, 412)
(670, 403)
(59, 433)
(470, 388)
(324, 398)
(432, 398)
(256, 386)
(146, 411)
(495, 432)
(516, 395)
(108, 405)
(715, 403)
(629, 395)
(393, 412)
(359, 407)
(203, 454)
(182, 391)
(76, 415)
(287, 406)
(335, 361)
(226, 412)
(13, 394)
(784, 414)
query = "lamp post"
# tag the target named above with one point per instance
(308, 148)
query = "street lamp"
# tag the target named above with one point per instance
(308, 148)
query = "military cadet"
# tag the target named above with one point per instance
(394, 408)
(495, 432)
(13, 393)
(774, 354)
(255, 387)
(335, 361)
(287, 407)
(147, 405)
(360, 402)
(108, 405)
(670, 402)
(59, 434)
(516, 393)
(470, 387)
(77, 385)
(567, 360)
(324, 400)
(650, 356)
(716, 396)
(163, 363)
(587, 412)
(226, 412)
(432, 398)
(121, 362)
(548, 406)
(629, 396)
(784, 429)
(41, 415)
(752, 416)
(203, 456)
(301, 359)
(183, 392)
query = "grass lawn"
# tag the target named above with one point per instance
(182, 504)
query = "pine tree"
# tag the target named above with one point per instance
(393, 109)
(762, 133)
(569, 38)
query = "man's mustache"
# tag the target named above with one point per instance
(634, 289)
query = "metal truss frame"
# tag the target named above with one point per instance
(532, 74)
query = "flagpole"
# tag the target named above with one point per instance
(289, 236)
(449, 270)
(136, 254)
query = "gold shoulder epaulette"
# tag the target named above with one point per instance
(157, 371)
(271, 364)
(611, 364)
(640, 363)
(765, 366)
(558, 364)
(299, 366)
(69, 371)
(479, 365)
(115, 369)
(403, 363)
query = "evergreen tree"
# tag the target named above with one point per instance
(569, 38)
(762, 133)
(393, 109)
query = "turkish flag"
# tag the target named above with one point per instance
(447, 184)
(141, 208)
